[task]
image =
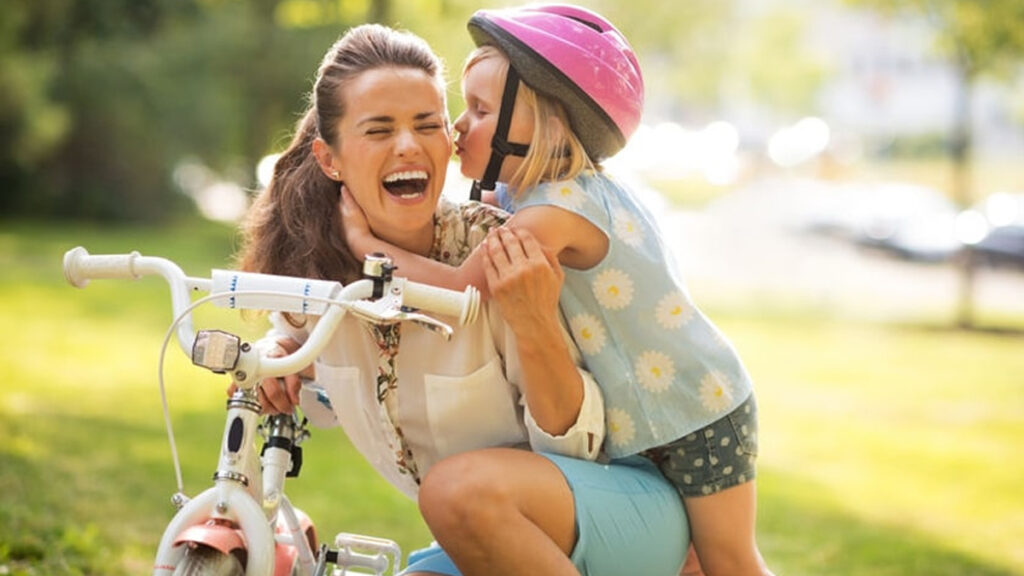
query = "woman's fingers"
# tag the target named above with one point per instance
(292, 386)
(534, 251)
(513, 245)
(274, 397)
(496, 250)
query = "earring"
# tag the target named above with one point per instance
(335, 174)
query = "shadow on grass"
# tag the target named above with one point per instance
(802, 531)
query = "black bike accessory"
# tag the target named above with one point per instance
(235, 434)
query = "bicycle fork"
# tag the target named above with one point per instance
(238, 514)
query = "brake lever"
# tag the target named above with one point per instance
(388, 310)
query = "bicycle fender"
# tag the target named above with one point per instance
(218, 536)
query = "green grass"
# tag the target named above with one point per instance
(885, 449)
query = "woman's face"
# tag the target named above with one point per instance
(482, 88)
(394, 150)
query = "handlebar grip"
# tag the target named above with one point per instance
(80, 267)
(463, 305)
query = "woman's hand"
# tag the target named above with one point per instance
(354, 224)
(280, 395)
(524, 279)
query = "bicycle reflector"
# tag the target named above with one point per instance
(216, 350)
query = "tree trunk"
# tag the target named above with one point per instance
(961, 158)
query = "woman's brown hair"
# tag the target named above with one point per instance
(293, 227)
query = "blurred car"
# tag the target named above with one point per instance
(926, 237)
(1002, 246)
(913, 221)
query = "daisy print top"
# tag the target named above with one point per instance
(664, 368)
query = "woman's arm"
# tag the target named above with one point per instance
(525, 281)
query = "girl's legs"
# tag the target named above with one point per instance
(723, 531)
(501, 511)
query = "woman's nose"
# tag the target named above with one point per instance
(406, 142)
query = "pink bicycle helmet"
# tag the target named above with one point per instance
(577, 57)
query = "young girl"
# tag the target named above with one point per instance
(550, 92)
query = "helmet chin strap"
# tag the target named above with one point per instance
(500, 146)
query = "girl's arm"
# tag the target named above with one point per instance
(413, 266)
(575, 241)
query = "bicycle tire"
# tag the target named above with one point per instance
(203, 560)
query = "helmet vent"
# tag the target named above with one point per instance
(586, 23)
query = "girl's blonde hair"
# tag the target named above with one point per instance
(555, 152)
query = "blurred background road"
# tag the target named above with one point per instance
(758, 246)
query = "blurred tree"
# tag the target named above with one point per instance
(774, 37)
(977, 38)
(63, 116)
(100, 100)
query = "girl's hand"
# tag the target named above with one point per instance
(354, 224)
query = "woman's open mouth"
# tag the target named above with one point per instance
(408, 184)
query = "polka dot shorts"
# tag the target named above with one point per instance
(719, 456)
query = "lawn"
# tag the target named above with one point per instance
(885, 449)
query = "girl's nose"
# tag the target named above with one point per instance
(460, 122)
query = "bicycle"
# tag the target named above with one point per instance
(244, 523)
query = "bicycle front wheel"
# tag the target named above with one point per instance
(200, 560)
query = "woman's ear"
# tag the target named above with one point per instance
(325, 159)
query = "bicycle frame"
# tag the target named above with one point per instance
(246, 510)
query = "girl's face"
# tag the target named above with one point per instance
(482, 88)
(394, 150)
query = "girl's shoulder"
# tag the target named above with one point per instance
(588, 187)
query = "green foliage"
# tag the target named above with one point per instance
(105, 98)
(979, 36)
(775, 37)
(100, 100)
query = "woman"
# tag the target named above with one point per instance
(378, 126)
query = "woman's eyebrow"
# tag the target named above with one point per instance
(385, 119)
(375, 120)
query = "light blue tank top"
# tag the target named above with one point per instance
(664, 369)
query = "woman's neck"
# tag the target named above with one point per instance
(418, 242)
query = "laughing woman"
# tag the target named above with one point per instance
(509, 384)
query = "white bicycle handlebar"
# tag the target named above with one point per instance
(242, 290)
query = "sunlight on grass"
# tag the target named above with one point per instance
(885, 449)
(895, 427)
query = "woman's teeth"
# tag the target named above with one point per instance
(407, 184)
